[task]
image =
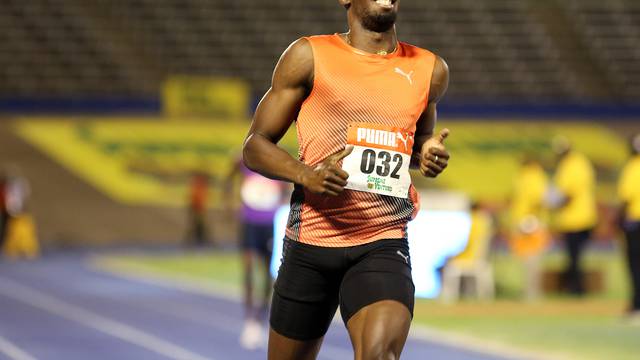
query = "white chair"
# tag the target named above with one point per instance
(472, 263)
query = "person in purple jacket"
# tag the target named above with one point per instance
(260, 199)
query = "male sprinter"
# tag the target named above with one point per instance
(365, 110)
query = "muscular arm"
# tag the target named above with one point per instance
(291, 83)
(427, 122)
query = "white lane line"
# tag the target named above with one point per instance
(418, 332)
(222, 322)
(12, 351)
(98, 322)
(186, 284)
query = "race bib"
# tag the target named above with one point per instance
(379, 162)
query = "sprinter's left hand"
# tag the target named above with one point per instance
(434, 157)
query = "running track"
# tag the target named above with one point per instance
(59, 307)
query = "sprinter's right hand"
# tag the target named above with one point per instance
(327, 178)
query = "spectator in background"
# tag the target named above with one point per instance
(473, 261)
(17, 192)
(575, 208)
(260, 198)
(198, 193)
(529, 235)
(4, 212)
(20, 234)
(629, 193)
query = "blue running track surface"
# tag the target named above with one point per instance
(59, 307)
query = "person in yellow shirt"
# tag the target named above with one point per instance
(529, 235)
(479, 236)
(473, 261)
(629, 193)
(576, 213)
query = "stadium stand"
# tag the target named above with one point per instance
(520, 51)
(611, 31)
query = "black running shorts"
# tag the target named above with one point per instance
(313, 281)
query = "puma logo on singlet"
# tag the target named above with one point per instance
(408, 76)
(403, 139)
(377, 137)
(405, 257)
(382, 137)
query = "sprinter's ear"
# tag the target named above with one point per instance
(345, 3)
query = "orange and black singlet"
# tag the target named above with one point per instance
(372, 102)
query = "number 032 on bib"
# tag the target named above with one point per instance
(379, 162)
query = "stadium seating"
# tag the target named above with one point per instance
(499, 50)
(611, 32)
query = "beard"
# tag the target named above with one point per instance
(378, 22)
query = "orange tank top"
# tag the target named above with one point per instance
(352, 87)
